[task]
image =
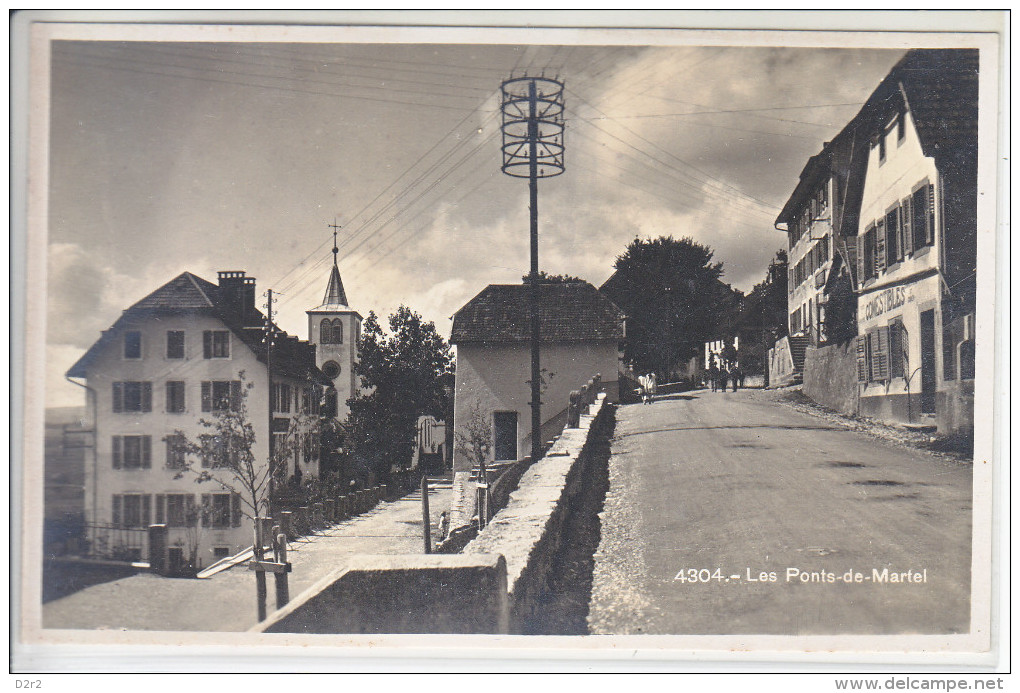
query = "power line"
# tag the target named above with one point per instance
(673, 156)
(121, 68)
(710, 190)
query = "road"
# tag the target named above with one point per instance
(226, 601)
(744, 491)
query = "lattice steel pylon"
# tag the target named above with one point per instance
(533, 148)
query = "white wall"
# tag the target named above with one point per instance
(103, 481)
(887, 183)
(496, 377)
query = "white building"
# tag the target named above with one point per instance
(916, 258)
(581, 331)
(176, 356)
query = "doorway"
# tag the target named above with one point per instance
(505, 423)
(928, 362)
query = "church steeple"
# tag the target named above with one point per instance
(335, 295)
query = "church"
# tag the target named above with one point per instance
(189, 349)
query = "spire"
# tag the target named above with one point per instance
(335, 295)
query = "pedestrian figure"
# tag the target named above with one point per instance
(653, 387)
(643, 382)
(713, 376)
(736, 377)
(444, 525)
(725, 378)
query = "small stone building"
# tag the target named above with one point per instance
(581, 331)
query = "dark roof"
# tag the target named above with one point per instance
(939, 87)
(568, 312)
(189, 293)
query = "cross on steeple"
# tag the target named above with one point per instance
(335, 295)
(336, 227)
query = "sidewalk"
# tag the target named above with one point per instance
(226, 601)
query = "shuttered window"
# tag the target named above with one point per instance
(132, 510)
(216, 344)
(132, 396)
(893, 244)
(132, 452)
(221, 395)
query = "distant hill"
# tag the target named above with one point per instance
(59, 416)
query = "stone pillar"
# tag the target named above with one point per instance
(330, 510)
(287, 524)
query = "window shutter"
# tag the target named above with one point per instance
(859, 253)
(880, 248)
(160, 508)
(146, 452)
(117, 510)
(146, 510)
(906, 215)
(146, 396)
(235, 510)
(191, 520)
(118, 397)
(883, 357)
(207, 344)
(235, 395)
(206, 395)
(206, 504)
(862, 358)
(896, 349)
(118, 452)
(930, 238)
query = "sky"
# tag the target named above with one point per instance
(170, 157)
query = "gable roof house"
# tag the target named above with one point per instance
(581, 330)
(883, 228)
(169, 360)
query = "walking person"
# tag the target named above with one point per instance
(653, 387)
(643, 381)
(713, 376)
(737, 375)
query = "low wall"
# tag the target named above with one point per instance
(528, 530)
(490, 588)
(830, 377)
(954, 407)
(781, 370)
(402, 594)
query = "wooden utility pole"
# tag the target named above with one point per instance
(532, 109)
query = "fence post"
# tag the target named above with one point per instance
(260, 575)
(574, 410)
(282, 586)
(330, 510)
(158, 549)
(426, 518)
(319, 519)
(287, 524)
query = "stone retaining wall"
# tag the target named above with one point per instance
(490, 588)
(527, 531)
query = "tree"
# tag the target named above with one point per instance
(224, 453)
(763, 318)
(404, 375)
(673, 297)
(544, 278)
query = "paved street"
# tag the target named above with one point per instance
(736, 482)
(226, 601)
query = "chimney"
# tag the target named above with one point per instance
(237, 294)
